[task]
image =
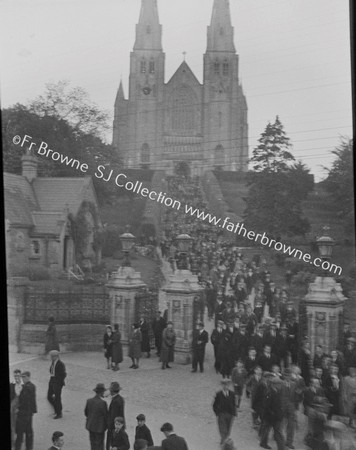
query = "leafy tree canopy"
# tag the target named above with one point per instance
(73, 105)
(62, 132)
(340, 182)
(276, 186)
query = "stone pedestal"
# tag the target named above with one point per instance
(181, 289)
(324, 307)
(123, 285)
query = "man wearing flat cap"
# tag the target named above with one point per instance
(224, 407)
(116, 409)
(96, 412)
(200, 339)
(58, 374)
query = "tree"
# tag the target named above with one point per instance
(276, 187)
(61, 137)
(73, 105)
(273, 205)
(272, 154)
(339, 182)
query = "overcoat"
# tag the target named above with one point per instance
(145, 344)
(168, 341)
(108, 344)
(116, 348)
(135, 339)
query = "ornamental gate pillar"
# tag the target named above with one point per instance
(182, 291)
(324, 306)
(123, 286)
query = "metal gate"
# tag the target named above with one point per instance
(146, 306)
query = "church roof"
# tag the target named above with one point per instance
(184, 71)
(43, 204)
(57, 194)
(20, 200)
(48, 222)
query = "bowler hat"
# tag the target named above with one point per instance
(100, 388)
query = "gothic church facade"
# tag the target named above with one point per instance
(182, 125)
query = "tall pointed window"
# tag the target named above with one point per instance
(143, 67)
(216, 67)
(152, 66)
(225, 68)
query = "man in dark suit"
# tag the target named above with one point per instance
(200, 339)
(56, 383)
(172, 441)
(96, 412)
(58, 441)
(224, 407)
(27, 407)
(116, 409)
(158, 325)
(267, 359)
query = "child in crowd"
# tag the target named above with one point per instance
(120, 439)
(142, 430)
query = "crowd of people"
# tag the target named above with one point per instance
(258, 351)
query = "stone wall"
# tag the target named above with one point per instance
(72, 337)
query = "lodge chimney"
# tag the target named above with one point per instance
(29, 166)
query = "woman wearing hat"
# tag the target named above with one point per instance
(168, 342)
(108, 345)
(117, 356)
(135, 339)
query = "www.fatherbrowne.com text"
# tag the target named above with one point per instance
(121, 180)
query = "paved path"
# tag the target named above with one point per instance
(175, 396)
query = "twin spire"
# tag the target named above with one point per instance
(148, 29)
(220, 31)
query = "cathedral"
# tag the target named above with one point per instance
(182, 126)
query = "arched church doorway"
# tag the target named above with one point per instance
(182, 169)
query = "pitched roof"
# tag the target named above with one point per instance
(48, 222)
(184, 71)
(20, 200)
(57, 194)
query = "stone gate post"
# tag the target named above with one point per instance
(181, 289)
(324, 310)
(15, 310)
(123, 285)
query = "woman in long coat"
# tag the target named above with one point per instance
(167, 350)
(135, 339)
(108, 345)
(117, 356)
(145, 344)
(52, 342)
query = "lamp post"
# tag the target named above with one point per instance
(184, 241)
(325, 246)
(127, 241)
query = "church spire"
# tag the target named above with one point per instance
(120, 96)
(220, 31)
(148, 29)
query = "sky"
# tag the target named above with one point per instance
(294, 58)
